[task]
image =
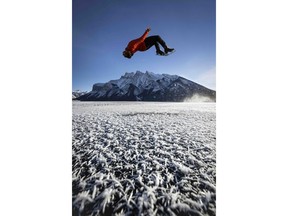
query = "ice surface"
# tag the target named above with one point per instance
(144, 158)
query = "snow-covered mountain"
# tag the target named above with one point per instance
(77, 93)
(147, 86)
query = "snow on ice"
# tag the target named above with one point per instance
(144, 158)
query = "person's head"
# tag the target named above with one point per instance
(127, 54)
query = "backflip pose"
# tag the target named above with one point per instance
(143, 44)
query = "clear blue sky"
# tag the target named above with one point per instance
(102, 29)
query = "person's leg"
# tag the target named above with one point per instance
(154, 40)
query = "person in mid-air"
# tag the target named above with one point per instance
(144, 43)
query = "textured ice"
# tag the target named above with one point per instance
(143, 158)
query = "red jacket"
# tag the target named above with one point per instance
(137, 44)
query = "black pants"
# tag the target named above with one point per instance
(155, 41)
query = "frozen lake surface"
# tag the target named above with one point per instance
(144, 158)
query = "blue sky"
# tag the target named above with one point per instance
(101, 29)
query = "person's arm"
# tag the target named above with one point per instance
(132, 46)
(145, 34)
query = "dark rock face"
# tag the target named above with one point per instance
(148, 87)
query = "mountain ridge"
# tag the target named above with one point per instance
(148, 86)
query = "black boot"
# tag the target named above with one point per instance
(168, 50)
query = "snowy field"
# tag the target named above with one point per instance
(144, 158)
